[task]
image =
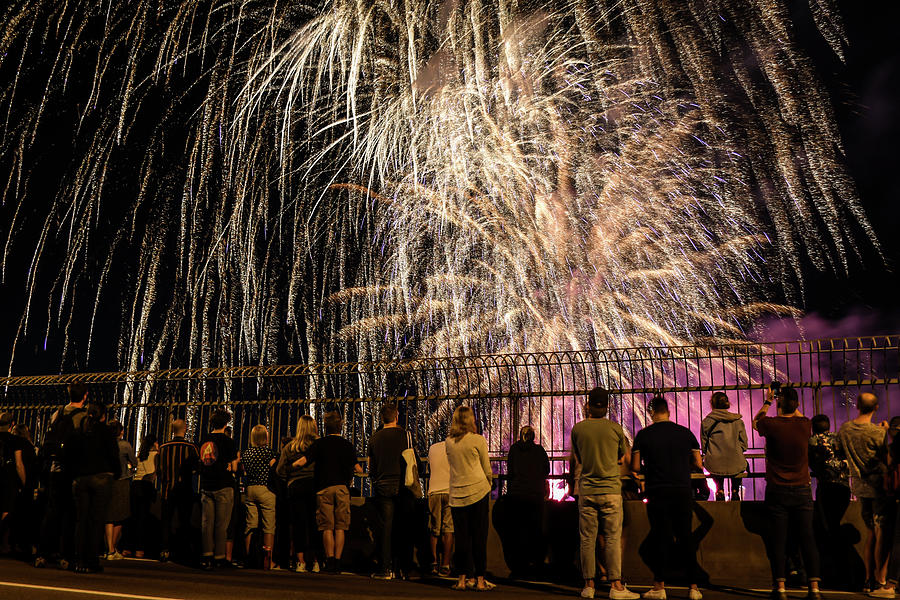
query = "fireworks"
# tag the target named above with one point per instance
(364, 180)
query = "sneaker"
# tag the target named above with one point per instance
(385, 575)
(331, 565)
(883, 592)
(587, 592)
(114, 556)
(315, 568)
(444, 571)
(40, 562)
(434, 569)
(623, 594)
(207, 564)
(695, 594)
(300, 567)
(655, 594)
(164, 556)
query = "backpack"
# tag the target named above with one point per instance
(60, 429)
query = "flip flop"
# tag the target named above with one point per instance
(458, 588)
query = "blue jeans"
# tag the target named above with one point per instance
(792, 505)
(217, 506)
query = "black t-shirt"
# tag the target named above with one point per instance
(334, 458)
(9, 443)
(667, 451)
(216, 451)
(386, 464)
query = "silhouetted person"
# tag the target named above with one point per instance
(829, 467)
(666, 453)
(218, 461)
(526, 491)
(58, 525)
(440, 518)
(865, 446)
(92, 457)
(178, 461)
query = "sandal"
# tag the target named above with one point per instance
(488, 586)
(458, 588)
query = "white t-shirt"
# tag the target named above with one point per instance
(439, 469)
(146, 467)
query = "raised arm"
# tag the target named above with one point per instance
(765, 409)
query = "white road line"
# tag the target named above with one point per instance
(85, 592)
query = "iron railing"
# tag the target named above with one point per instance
(543, 389)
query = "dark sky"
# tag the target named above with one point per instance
(866, 95)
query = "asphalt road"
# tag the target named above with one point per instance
(150, 580)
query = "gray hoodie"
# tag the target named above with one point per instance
(723, 439)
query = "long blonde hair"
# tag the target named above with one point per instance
(307, 432)
(463, 422)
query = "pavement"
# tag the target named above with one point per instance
(138, 579)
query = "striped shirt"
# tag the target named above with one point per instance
(178, 460)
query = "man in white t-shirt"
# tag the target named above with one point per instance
(440, 523)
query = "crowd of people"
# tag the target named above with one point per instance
(288, 505)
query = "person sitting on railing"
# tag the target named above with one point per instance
(723, 438)
(666, 452)
(866, 447)
(598, 445)
(788, 491)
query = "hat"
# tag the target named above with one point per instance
(598, 398)
(6, 419)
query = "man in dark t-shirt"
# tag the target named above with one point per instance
(665, 453)
(335, 462)
(788, 492)
(386, 471)
(12, 466)
(218, 462)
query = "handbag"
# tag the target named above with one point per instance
(411, 477)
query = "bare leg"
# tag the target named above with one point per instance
(338, 543)
(110, 542)
(433, 540)
(448, 549)
(328, 542)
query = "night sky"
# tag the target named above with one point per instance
(866, 96)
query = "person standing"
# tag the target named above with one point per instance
(143, 492)
(865, 445)
(294, 466)
(218, 462)
(120, 501)
(12, 474)
(527, 469)
(259, 500)
(599, 444)
(470, 491)
(829, 467)
(58, 525)
(724, 440)
(178, 461)
(27, 522)
(440, 518)
(666, 453)
(91, 454)
(335, 463)
(386, 472)
(788, 490)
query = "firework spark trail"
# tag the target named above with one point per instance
(357, 180)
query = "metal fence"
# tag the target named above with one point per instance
(542, 389)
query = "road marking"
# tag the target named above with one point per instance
(85, 592)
